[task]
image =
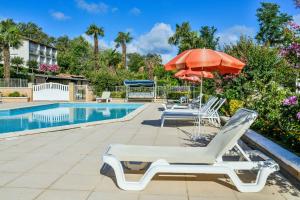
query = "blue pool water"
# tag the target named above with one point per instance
(60, 114)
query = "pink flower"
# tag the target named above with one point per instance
(298, 116)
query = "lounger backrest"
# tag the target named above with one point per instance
(105, 95)
(215, 108)
(231, 132)
(208, 105)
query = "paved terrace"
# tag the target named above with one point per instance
(65, 165)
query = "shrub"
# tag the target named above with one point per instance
(118, 94)
(14, 94)
(177, 95)
(234, 105)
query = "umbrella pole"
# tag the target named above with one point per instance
(200, 105)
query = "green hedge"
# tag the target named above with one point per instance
(118, 94)
(177, 95)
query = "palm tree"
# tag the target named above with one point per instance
(95, 31)
(17, 61)
(122, 40)
(10, 36)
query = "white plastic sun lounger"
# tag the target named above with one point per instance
(212, 115)
(187, 114)
(195, 103)
(202, 160)
(104, 97)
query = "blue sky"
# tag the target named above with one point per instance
(151, 22)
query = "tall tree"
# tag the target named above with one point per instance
(95, 31)
(136, 61)
(185, 38)
(271, 24)
(10, 36)
(36, 33)
(208, 37)
(122, 40)
(17, 61)
(152, 60)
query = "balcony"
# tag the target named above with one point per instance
(33, 51)
(42, 53)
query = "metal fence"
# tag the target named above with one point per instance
(80, 92)
(13, 82)
(161, 91)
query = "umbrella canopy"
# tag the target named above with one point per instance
(205, 60)
(192, 79)
(189, 72)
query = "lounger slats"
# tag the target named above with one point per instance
(154, 153)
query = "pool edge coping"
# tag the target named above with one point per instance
(128, 117)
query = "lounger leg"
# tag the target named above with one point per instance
(259, 184)
(265, 168)
(128, 185)
(162, 122)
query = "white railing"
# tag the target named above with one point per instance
(51, 92)
(54, 86)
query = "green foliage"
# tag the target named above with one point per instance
(186, 39)
(34, 32)
(271, 24)
(76, 57)
(177, 95)
(118, 94)
(208, 37)
(136, 61)
(17, 61)
(32, 64)
(123, 39)
(14, 94)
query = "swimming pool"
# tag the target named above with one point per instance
(60, 114)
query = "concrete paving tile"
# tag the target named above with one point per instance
(87, 167)
(212, 198)
(30, 180)
(63, 195)
(18, 193)
(160, 197)
(51, 167)
(8, 156)
(7, 177)
(112, 195)
(166, 186)
(76, 182)
(258, 196)
(212, 187)
(17, 166)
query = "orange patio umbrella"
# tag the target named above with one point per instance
(205, 60)
(193, 79)
(192, 73)
(189, 72)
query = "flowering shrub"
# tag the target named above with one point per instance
(290, 122)
(292, 100)
(49, 68)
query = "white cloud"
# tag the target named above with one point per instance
(135, 11)
(296, 18)
(59, 15)
(232, 34)
(155, 41)
(93, 7)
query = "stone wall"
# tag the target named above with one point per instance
(26, 91)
